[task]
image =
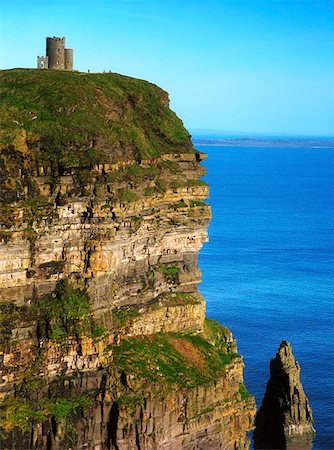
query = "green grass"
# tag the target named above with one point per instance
(180, 298)
(73, 109)
(243, 392)
(149, 191)
(10, 316)
(19, 412)
(151, 277)
(171, 166)
(69, 121)
(196, 183)
(216, 333)
(180, 204)
(171, 273)
(122, 316)
(176, 185)
(196, 203)
(139, 173)
(63, 314)
(134, 173)
(158, 359)
(66, 313)
(127, 196)
(34, 204)
(129, 400)
(62, 408)
(7, 219)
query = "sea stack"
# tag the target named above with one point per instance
(284, 420)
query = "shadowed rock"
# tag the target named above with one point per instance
(284, 420)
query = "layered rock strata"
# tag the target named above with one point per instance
(104, 341)
(285, 419)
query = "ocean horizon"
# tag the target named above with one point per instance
(268, 141)
(268, 268)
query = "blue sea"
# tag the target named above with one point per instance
(268, 268)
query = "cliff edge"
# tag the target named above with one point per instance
(103, 338)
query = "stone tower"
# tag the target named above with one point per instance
(55, 51)
(57, 56)
(68, 58)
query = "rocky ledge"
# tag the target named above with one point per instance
(103, 337)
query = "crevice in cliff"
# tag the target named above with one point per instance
(123, 379)
(88, 214)
(137, 437)
(88, 252)
(48, 442)
(102, 387)
(112, 427)
(58, 201)
(53, 426)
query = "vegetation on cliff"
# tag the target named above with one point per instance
(66, 313)
(141, 367)
(166, 360)
(103, 337)
(76, 119)
(55, 123)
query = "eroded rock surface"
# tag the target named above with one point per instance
(285, 419)
(104, 341)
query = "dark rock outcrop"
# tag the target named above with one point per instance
(284, 420)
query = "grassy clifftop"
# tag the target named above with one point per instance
(77, 118)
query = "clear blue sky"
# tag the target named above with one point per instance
(241, 65)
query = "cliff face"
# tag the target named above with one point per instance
(104, 341)
(285, 418)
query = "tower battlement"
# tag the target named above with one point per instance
(54, 38)
(57, 56)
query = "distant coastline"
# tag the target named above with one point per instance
(264, 142)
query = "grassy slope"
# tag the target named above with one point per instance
(167, 360)
(74, 118)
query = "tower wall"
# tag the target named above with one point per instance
(68, 58)
(42, 62)
(55, 51)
